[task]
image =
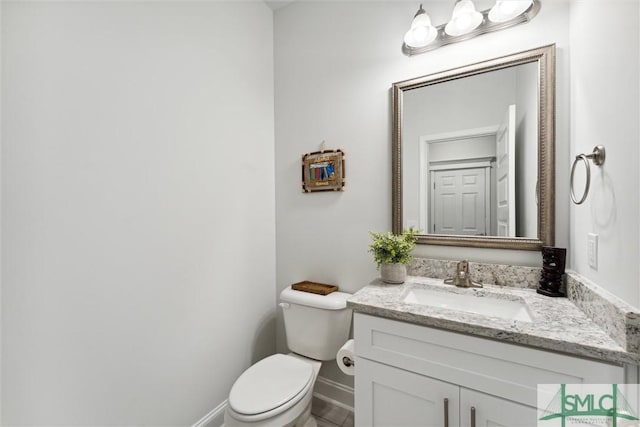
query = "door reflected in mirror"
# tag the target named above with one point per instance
(473, 153)
(470, 155)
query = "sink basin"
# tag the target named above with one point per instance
(496, 307)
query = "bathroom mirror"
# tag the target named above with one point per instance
(473, 153)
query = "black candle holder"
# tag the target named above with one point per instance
(553, 263)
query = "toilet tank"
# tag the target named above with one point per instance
(316, 325)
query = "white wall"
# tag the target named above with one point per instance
(138, 215)
(605, 107)
(335, 63)
(462, 149)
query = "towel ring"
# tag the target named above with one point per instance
(597, 157)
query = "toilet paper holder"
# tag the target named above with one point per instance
(348, 362)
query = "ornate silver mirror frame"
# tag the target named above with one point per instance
(545, 59)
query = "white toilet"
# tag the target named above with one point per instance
(276, 391)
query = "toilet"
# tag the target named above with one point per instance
(277, 391)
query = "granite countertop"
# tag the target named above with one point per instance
(557, 323)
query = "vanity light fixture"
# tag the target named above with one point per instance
(466, 22)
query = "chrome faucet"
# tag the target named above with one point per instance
(462, 278)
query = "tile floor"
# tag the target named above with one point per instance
(328, 415)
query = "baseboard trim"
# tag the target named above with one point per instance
(215, 418)
(334, 392)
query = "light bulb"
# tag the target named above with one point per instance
(505, 10)
(421, 32)
(464, 19)
(420, 36)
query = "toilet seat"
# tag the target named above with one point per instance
(270, 387)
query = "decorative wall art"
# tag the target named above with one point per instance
(323, 171)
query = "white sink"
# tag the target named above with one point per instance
(496, 307)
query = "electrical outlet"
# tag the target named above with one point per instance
(592, 250)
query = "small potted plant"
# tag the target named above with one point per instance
(392, 253)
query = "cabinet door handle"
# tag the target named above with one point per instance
(446, 412)
(473, 416)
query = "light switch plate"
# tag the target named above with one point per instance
(592, 250)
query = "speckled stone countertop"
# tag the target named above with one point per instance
(557, 323)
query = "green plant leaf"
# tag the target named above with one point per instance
(387, 247)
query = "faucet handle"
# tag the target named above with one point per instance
(462, 278)
(462, 270)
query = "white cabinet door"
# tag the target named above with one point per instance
(392, 397)
(491, 411)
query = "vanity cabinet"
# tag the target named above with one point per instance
(391, 396)
(404, 373)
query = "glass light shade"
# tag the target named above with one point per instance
(465, 19)
(505, 10)
(420, 36)
(421, 20)
(421, 32)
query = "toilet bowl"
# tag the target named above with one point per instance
(277, 391)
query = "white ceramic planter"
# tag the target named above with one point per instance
(395, 273)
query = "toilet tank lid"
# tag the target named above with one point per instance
(333, 301)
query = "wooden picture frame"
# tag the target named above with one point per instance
(323, 171)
